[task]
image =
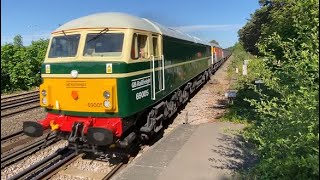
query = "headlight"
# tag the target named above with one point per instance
(44, 92)
(107, 104)
(106, 94)
(44, 100)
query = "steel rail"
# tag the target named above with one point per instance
(113, 171)
(56, 170)
(19, 111)
(23, 99)
(11, 136)
(43, 175)
(18, 95)
(14, 156)
(13, 105)
(46, 165)
(18, 134)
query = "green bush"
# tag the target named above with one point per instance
(20, 65)
(285, 111)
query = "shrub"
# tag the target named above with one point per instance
(20, 65)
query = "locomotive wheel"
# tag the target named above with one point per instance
(185, 96)
(166, 110)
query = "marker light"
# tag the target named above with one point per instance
(107, 104)
(44, 100)
(44, 92)
(106, 94)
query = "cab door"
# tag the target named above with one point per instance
(157, 66)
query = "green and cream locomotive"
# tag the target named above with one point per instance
(109, 78)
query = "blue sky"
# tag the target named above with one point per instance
(206, 19)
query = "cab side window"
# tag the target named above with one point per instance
(139, 48)
(155, 46)
(134, 48)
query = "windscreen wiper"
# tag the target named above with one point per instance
(100, 33)
(65, 36)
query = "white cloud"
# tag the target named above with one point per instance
(221, 27)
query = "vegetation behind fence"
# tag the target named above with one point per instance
(283, 112)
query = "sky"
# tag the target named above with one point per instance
(209, 20)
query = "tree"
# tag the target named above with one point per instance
(20, 65)
(214, 41)
(36, 53)
(287, 133)
(249, 34)
(18, 41)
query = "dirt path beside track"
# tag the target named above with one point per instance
(202, 108)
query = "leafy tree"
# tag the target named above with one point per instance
(214, 41)
(20, 65)
(231, 48)
(250, 33)
(36, 53)
(18, 41)
(7, 52)
(286, 131)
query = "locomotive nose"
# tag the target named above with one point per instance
(33, 129)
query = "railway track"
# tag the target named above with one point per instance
(19, 95)
(113, 171)
(19, 103)
(118, 162)
(11, 136)
(58, 161)
(9, 157)
(56, 170)
(41, 169)
(19, 111)
(124, 162)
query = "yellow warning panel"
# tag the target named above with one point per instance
(79, 95)
(47, 68)
(109, 68)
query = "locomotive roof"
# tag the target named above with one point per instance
(122, 20)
